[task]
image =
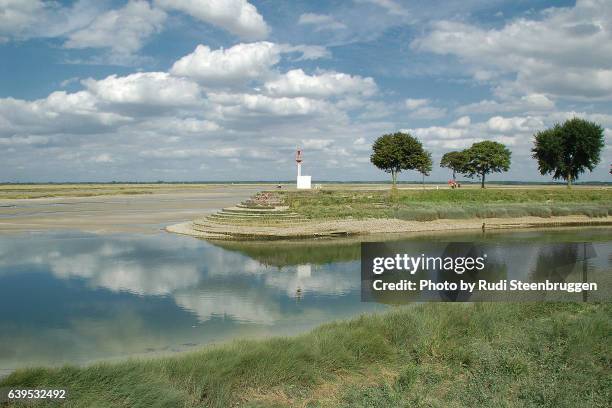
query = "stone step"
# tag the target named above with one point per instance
(216, 221)
(257, 214)
(253, 216)
(257, 210)
(237, 235)
(222, 217)
(256, 207)
(222, 224)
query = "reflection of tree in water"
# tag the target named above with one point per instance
(291, 253)
(493, 271)
(556, 262)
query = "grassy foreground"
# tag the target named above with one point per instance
(433, 355)
(428, 205)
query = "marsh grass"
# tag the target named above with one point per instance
(487, 355)
(428, 205)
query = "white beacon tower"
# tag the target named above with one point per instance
(303, 182)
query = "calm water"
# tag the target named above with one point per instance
(74, 298)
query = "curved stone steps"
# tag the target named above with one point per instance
(260, 204)
(248, 216)
(256, 216)
(210, 233)
(213, 223)
(274, 210)
(251, 224)
(254, 221)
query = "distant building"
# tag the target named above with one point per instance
(303, 182)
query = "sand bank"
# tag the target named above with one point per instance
(379, 226)
(119, 213)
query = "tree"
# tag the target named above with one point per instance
(423, 164)
(484, 158)
(454, 161)
(567, 150)
(396, 152)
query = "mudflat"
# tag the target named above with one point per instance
(122, 212)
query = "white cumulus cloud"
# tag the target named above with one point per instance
(123, 30)
(297, 83)
(243, 104)
(145, 88)
(566, 52)
(23, 19)
(236, 16)
(239, 63)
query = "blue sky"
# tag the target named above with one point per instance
(100, 90)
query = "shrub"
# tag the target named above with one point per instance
(560, 211)
(452, 213)
(538, 211)
(426, 215)
(516, 211)
(594, 212)
(471, 211)
(417, 214)
(495, 212)
(491, 212)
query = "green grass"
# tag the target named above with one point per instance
(433, 355)
(427, 205)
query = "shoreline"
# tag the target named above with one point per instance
(324, 364)
(373, 226)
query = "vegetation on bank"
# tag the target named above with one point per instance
(399, 151)
(427, 205)
(565, 151)
(568, 150)
(529, 354)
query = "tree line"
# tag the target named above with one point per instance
(565, 151)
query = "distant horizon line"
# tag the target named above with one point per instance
(293, 182)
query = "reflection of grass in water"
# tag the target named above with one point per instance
(530, 354)
(296, 253)
(559, 234)
(428, 205)
(285, 253)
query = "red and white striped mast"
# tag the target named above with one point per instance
(299, 160)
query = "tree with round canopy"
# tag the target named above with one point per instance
(396, 152)
(454, 161)
(568, 150)
(486, 157)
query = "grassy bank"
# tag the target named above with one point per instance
(428, 205)
(545, 355)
